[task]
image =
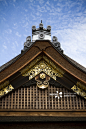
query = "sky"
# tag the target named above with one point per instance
(67, 19)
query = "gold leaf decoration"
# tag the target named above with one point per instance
(79, 91)
(43, 66)
(82, 86)
(6, 90)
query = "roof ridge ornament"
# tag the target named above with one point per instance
(56, 43)
(42, 33)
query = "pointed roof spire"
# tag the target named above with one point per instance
(41, 21)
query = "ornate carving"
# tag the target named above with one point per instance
(42, 85)
(6, 90)
(79, 84)
(79, 91)
(42, 75)
(42, 80)
(42, 66)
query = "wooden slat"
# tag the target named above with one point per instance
(33, 97)
(43, 99)
(46, 98)
(80, 103)
(70, 102)
(67, 101)
(21, 98)
(18, 100)
(49, 96)
(30, 96)
(77, 100)
(55, 98)
(52, 96)
(27, 97)
(58, 101)
(64, 99)
(24, 98)
(61, 100)
(39, 99)
(74, 102)
(8, 101)
(2, 103)
(5, 102)
(83, 104)
(11, 100)
(36, 98)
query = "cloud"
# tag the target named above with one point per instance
(31, 0)
(73, 41)
(8, 31)
(14, 0)
(4, 46)
(41, 1)
(17, 33)
(15, 26)
(25, 25)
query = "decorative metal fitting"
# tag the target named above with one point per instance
(54, 39)
(33, 28)
(57, 44)
(41, 35)
(41, 26)
(49, 28)
(42, 75)
(28, 38)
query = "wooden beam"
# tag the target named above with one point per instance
(57, 113)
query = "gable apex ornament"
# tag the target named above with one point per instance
(43, 34)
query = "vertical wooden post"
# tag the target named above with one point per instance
(24, 97)
(33, 97)
(43, 99)
(30, 96)
(21, 98)
(49, 96)
(18, 99)
(27, 97)
(36, 97)
(39, 99)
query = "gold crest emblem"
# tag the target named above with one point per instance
(42, 75)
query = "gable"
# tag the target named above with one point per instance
(43, 64)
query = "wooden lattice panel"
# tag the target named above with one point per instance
(35, 98)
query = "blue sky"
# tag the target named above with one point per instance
(66, 17)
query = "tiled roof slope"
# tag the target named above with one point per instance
(68, 58)
(9, 63)
(76, 64)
